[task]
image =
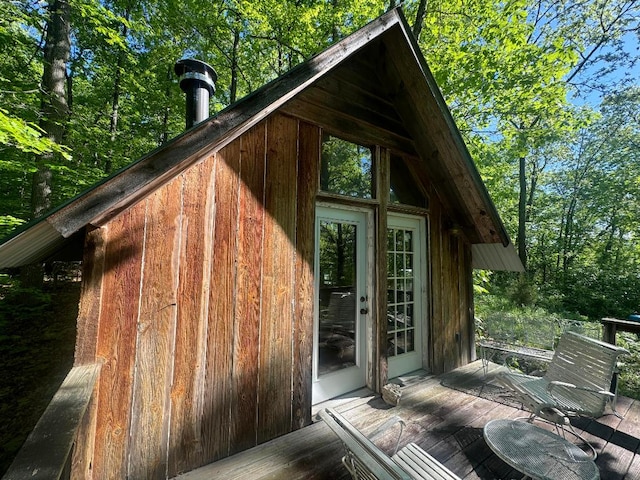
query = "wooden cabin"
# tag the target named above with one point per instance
(315, 237)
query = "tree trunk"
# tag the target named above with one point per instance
(417, 26)
(164, 138)
(543, 250)
(115, 101)
(233, 89)
(54, 110)
(567, 248)
(560, 241)
(522, 214)
(54, 106)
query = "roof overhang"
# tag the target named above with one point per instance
(495, 256)
(40, 243)
(30, 245)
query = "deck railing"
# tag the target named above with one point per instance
(46, 454)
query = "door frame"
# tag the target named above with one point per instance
(324, 391)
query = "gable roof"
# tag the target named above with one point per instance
(416, 120)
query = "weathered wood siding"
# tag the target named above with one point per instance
(451, 294)
(204, 315)
(199, 301)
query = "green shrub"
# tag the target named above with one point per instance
(629, 378)
(523, 292)
(22, 309)
(36, 351)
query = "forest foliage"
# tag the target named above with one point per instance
(545, 93)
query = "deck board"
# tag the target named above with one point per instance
(445, 421)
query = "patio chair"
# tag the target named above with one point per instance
(578, 381)
(364, 460)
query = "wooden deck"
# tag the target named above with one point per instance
(444, 415)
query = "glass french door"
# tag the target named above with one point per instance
(341, 302)
(405, 295)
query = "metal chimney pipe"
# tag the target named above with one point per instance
(197, 80)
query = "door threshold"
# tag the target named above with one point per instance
(345, 401)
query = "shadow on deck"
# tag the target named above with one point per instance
(444, 415)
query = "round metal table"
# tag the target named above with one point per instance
(538, 453)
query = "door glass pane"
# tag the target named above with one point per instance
(400, 296)
(337, 335)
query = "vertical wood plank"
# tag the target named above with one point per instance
(156, 334)
(466, 280)
(117, 341)
(90, 298)
(243, 422)
(463, 324)
(444, 343)
(185, 442)
(452, 320)
(437, 253)
(471, 307)
(427, 286)
(217, 397)
(275, 382)
(383, 186)
(308, 180)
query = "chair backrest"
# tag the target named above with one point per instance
(362, 458)
(588, 329)
(531, 331)
(586, 363)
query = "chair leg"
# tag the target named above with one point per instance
(562, 424)
(347, 461)
(485, 361)
(586, 442)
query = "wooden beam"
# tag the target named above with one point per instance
(46, 452)
(90, 299)
(275, 376)
(346, 125)
(343, 91)
(217, 388)
(380, 315)
(309, 146)
(368, 113)
(189, 361)
(123, 257)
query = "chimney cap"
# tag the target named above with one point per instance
(190, 69)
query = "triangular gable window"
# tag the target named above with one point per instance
(404, 189)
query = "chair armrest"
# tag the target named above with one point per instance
(387, 425)
(362, 454)
(555, 384)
